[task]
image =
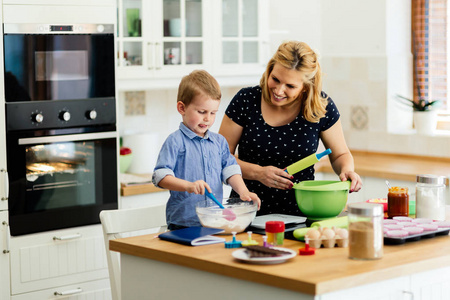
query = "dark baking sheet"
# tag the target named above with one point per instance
(415, 237)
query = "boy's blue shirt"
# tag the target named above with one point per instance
(188, 156)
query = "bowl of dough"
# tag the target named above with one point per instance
(211, 215)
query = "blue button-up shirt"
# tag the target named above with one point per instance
(188, 156)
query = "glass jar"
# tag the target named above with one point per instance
(398, 202)
(430, 200)
(365, 228)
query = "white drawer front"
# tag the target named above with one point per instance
(38, 261)
(95, 290)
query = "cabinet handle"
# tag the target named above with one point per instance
(69, 292)
(67, 237)
(6, 251)
(158, 60)
(6, 185)
(150, 56)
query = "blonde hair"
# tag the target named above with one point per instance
(299, 56)
(198, 82)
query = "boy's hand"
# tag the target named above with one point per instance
(248, 196)
(198, 187)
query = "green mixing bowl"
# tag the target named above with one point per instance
(321, 199)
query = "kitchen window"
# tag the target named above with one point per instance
(431, 56)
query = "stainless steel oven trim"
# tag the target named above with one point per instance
(45, 28)
(68, 138)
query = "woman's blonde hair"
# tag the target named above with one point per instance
(198, 82)
(299, 56)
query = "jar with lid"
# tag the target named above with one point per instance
(365, 228)
(275, 233)
(398, 202)
(430, 200)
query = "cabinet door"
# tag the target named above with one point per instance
(160, 38)
(396, 288)
(56, 258)
(434, 284)
(4, 257)
(243, 42)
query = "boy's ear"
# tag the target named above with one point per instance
(181, 107)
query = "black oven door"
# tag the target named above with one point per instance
(60, 181)
(45, 62)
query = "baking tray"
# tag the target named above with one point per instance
(415, 237)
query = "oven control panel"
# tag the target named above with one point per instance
(59, 114)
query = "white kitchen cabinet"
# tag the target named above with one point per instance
(392, 289)
(56, 259)
(4, 256)
(159, 41)
(86, 290)
(433, 284)
(241, 38)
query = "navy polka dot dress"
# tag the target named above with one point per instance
(279, 146)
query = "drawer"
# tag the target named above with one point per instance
(95, 290)
(57, 258)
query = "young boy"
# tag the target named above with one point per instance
(194, 158)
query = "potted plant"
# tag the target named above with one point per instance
(424, 116)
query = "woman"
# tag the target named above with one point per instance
(280, 122)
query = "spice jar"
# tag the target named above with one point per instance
(275, 233)
(430, 200)
(365, 228)
(398, 202)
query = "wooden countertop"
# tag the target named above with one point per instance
(136, 184)
(328, 270)
(392, 166)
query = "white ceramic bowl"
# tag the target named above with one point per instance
(211, 215)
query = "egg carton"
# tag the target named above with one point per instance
(327, 237)
(329, 243)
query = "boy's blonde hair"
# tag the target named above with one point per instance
(299, 56)
(198, 82)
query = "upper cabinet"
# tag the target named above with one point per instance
(159, 41)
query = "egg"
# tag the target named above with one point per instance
(342, 233)
(328, 233)
(313, 234)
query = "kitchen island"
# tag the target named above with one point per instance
(156, 269)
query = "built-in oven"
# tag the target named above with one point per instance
(61, 133)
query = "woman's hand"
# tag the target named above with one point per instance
(275, 178)
(356, 184)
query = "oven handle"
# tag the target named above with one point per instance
(68, 138)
